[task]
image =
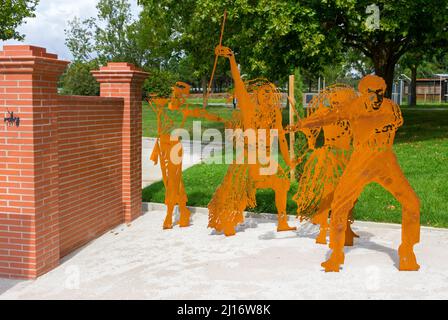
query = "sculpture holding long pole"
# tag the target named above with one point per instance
(168, 149)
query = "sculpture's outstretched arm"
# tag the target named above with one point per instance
(202, 113)
(319, 119)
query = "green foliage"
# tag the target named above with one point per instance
(79, 39)
(111, 36)
(273, 37)
(114, 32)
(78, 80)
(189, 35)
(159, 82)
(12, 15)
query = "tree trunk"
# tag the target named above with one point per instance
(204, 92)
(413, 98)
(384, 63)
(386, 71)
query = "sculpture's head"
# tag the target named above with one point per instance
(159, 102)
(180, 93)
(341, 96)
(372, 88)
(267, 95)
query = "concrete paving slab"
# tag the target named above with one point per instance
(142, 261)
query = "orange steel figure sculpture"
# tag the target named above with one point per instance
(260, 109)
(168, 149)
(325, 165)
(374, 121)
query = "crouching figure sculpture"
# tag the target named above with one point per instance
(374, 121)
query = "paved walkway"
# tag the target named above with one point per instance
(141, 261)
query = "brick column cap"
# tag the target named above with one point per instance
(119, 72)
(24, 59)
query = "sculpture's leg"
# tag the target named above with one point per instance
(281, 187)
(347, 192)
(321, 218)
(185, 214)
(280, 201)
(229, 230)
(173, 184)
(170, 201)
(337, 238)
(396, 183)
(168, 223)
(167, 175)
(349, 233)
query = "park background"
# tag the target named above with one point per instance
(320, 42)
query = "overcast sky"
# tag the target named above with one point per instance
(47, 28)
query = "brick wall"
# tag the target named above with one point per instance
(89, 152)
(66, 172)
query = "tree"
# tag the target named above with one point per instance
(425, 64)
(276, 36)
(357, 64)
(412, 61)
(115, 32)
(12, 15)
(79, 39)
(404, 26)
(190, 36)
(114, 36)
(111, 36)
(160, 82)
(78, 80)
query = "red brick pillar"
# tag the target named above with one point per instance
(29, 227)
(125, 80)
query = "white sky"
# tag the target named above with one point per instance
(47, 28)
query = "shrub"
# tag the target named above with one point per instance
(78, 80)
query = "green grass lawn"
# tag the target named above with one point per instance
(210, 100)
(428, 106)
(422, 149)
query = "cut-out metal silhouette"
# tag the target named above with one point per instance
(326, 163)
(168, 149)
(373, 120)
(259, 105)
(358, 130)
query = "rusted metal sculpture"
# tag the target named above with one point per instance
(373, 120)
(326, 163)
(259, 105)
(168, 149)
(359, 131)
